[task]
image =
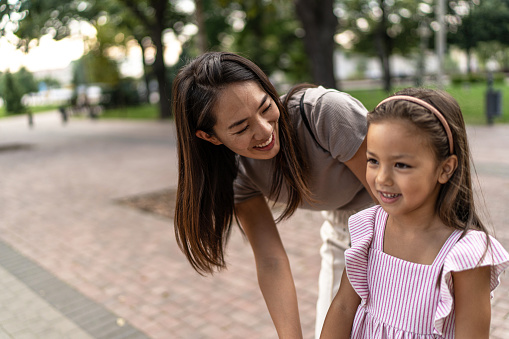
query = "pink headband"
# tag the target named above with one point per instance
(428, 106)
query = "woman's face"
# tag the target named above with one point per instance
(246, 121)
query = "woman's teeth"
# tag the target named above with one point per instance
(266, 143)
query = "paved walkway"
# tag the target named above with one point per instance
(76, 263)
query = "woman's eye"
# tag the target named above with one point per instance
(242, 130)
(267, 108)
(372, 161)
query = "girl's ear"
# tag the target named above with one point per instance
(207, 137)
(447, 169)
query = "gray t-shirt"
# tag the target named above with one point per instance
(338, 122)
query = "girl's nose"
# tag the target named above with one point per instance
(383, 177)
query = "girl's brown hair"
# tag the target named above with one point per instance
(455, 204)
(205, 199)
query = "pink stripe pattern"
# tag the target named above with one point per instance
(406, 300)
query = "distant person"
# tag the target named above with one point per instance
(240, 144)
(421, 264)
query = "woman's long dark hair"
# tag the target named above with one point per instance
(205, 199)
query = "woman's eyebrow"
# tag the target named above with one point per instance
(235, 124)
(240, 122)
(263, 101)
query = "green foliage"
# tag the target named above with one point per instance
(489, 21)
(399, 19)
(264, 31)
(12, 88)
(12, 94)
(50, 82)
(26, 81)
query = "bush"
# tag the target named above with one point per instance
(476, 78)
(12, 95)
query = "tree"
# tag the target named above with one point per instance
(319, 23)
(25, 81)
(12, 94)
(383, 28)
(267, 32)
(143, 17)
(487, 22)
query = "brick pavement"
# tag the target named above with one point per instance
(59, 193)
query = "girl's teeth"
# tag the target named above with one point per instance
(266, 143)
(387, 195)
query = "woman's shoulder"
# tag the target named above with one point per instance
(329, 96)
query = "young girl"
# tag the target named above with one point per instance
(422, 264)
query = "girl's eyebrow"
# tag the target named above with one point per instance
(240, 122)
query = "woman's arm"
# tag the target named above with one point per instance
(357, 164)
(339, 321)
(272, 265)
(472, 303)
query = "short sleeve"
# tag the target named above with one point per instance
(338, 120)
(361, 226)
(243, 187)
(469, 253)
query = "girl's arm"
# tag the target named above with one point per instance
(272, 266)
(472, 303)
(339, 320)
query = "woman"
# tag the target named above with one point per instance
(240, 145)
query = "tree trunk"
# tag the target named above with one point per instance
(319, 22)
(159, 66)
(383, 45)
(145, 69)
(202, 30)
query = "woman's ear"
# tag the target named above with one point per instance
(207, 137)
(447, 169)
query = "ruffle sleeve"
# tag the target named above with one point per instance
(361, 227)
(465, 255)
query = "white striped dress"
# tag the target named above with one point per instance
(405, 300)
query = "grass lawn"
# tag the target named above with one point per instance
(33, 109)
(472, 100)
(148, 112)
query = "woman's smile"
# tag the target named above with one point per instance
(267, 145)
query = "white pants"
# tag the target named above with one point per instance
(336, 239)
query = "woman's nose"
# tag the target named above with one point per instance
(263, 130)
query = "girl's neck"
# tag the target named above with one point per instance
(417, 240)
(424, 222)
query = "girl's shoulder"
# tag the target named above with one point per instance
(475, 249)
(362, 224)
(470, 251)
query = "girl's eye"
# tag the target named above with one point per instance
(372, 161)
(401, 165)
(267, 108)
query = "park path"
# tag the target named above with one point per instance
(76, 263)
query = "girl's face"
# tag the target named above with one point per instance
(402, 171)
(246, 121)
